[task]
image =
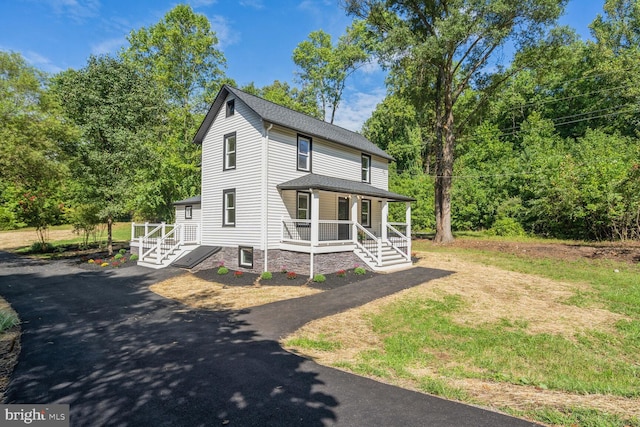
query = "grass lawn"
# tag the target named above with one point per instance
(553, 340)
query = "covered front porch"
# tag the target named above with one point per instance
(327, 215)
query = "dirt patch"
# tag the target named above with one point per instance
(9, 350)
(490, 294)
(11, 240)
(628, 252)
(204, 294)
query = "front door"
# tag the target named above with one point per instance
(343, 214)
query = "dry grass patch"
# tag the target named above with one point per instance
(490, 295)
(9, 350)
(19, 239)
(198, 293)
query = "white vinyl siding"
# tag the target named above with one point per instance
(195, 214)
(245, 178)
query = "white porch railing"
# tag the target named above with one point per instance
(369, 243)
(399, 241)
(160, 247)
(329, 231)
(190, 232)
(159, 241)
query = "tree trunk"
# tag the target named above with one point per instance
(444, 164)
(110, 235)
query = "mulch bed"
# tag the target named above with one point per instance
(332, 281)
(103, 257)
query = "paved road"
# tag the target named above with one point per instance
(121, 355)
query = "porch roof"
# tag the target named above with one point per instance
(338, 185)
(191, 200)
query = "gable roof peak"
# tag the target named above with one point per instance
(283, 116)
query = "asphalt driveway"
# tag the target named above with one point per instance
(121, 355)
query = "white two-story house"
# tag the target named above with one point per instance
(280, 190)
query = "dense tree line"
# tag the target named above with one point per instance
(548, 145)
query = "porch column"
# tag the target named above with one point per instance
(315, 218)
(407, 220)
(385, 218)
(354, 218)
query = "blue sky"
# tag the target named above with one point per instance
(256, 36)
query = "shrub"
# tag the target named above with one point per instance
(91, 261)
(341, 273)
(40, 247)
(133, 257)
(359, 271)
(115, 264)
(104, 264)
(98, 261)
(291, 275)
(319, 278)
(266, 275)
(7, 320)
(223, 270)
(122, 251)
(238, 274)
(118, 256)
(509, 227)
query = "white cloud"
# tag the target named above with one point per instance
(357, 107)
(255, 4)
(201, 3)
(41, 62)
(108, 46)
(75, 9)
(226, 35)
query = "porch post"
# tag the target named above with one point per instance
(385, 218)
(407, 220)
(315, 218)
(354, 218)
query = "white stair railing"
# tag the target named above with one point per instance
(369, 244)
(161, 247)
(398, 241)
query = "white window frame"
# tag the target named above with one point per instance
(365, 222)
(226, 209)
(300, 155)
(228, 154)
(365, 170)
(242, 251)
(188, 212)
(306, 196)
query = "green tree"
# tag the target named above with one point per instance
(324, 68)
(118, 111)
(451, 44)
(179, 53)
(301, 100)
(32, 132)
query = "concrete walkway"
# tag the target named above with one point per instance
(121, 355)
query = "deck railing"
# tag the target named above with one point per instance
(369, 243)
(399, 241)
(299, 231)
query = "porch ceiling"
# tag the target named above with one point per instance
(338, 185)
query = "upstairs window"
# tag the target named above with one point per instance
(304, 153)
(231, 107)
(229, 208)
(366, 168)
(230, 151)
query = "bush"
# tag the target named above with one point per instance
(238, 274)
(118, 256)
(266, 275)
(133, 257)
(40, 247)
(319, 278)
(7, 320)
(122, 251)
(223, 270)
(359, 271)
(104, 264)
(291, 275)
(508, 227)
(341, 273)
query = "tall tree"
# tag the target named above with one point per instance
(281, 93)
(325, 68)
(32, 132)
(452, 42)
(117, 110)
(180, 54)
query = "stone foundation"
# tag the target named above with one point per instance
(284, 260)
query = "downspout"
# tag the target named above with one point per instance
(265, 197)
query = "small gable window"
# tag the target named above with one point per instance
(366, 168)
(231, 107)
(304, 153)
(188, 212)
(230, 151)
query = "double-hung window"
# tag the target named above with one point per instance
(230, 151)
(303, 206)
(188, 212)
(365, 213)
(304, 153)
(229, 208)
(366, 168)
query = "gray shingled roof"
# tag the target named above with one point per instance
(190, 201)
(338, 185)
(279, 115)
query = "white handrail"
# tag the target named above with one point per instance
(378, 257)
(402, 237)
